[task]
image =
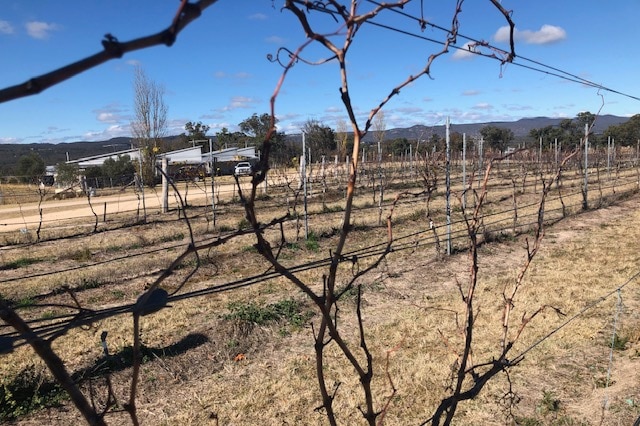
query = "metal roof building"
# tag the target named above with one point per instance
(231, 154)
(98, 160)
(191, 155)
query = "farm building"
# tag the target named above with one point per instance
(226, 159)
(232, 154)
(186, 156)
(191, 156)
(98, 160)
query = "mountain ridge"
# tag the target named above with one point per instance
(520, 128)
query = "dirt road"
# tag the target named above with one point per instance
(27, 216)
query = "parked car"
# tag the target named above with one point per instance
(243, 169)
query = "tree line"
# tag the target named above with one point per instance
(149, 132)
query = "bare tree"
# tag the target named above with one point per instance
(342, 136)
(150, 125)
(379, 127)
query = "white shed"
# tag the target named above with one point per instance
(98, 160)
(191, 155)
(232, 154)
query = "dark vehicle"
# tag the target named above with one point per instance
(47, 180)
(190, 173)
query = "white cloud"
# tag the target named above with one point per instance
(134, 62)
(176, 126)
(239, 102)
(288, 116)
(465, 52)
(10, 140)
(111, 114)
(258, 17)
(471, 93)
(51, 130)
(545, 35)
(242, 75)
(334, 109)
(483, 106)
(214, 116)
(107, 117)
(6, 27)
(408, 110)
(275, 40)
(516, 107)
(40, 30)
(108, 133)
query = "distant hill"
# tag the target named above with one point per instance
(55, 153)
(519, 128)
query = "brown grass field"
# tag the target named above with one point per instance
(216, 357)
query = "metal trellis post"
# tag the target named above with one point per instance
(165, 185)
(304, 184)
(464, 171)
(448, 184)
(585, 202)
(212, 170)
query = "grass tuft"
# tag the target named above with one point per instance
(19, 263)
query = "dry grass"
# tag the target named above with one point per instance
(193, 375)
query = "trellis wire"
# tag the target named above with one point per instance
(577, 315)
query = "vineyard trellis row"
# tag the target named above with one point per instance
(344, 353)
(327, 181)
(510, 209)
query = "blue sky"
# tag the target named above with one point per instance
(217, 72)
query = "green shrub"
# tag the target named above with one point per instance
(27, 392)
(549, 403)
(243, 224)
(89, 283)
(312, 242)
(288, 310)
